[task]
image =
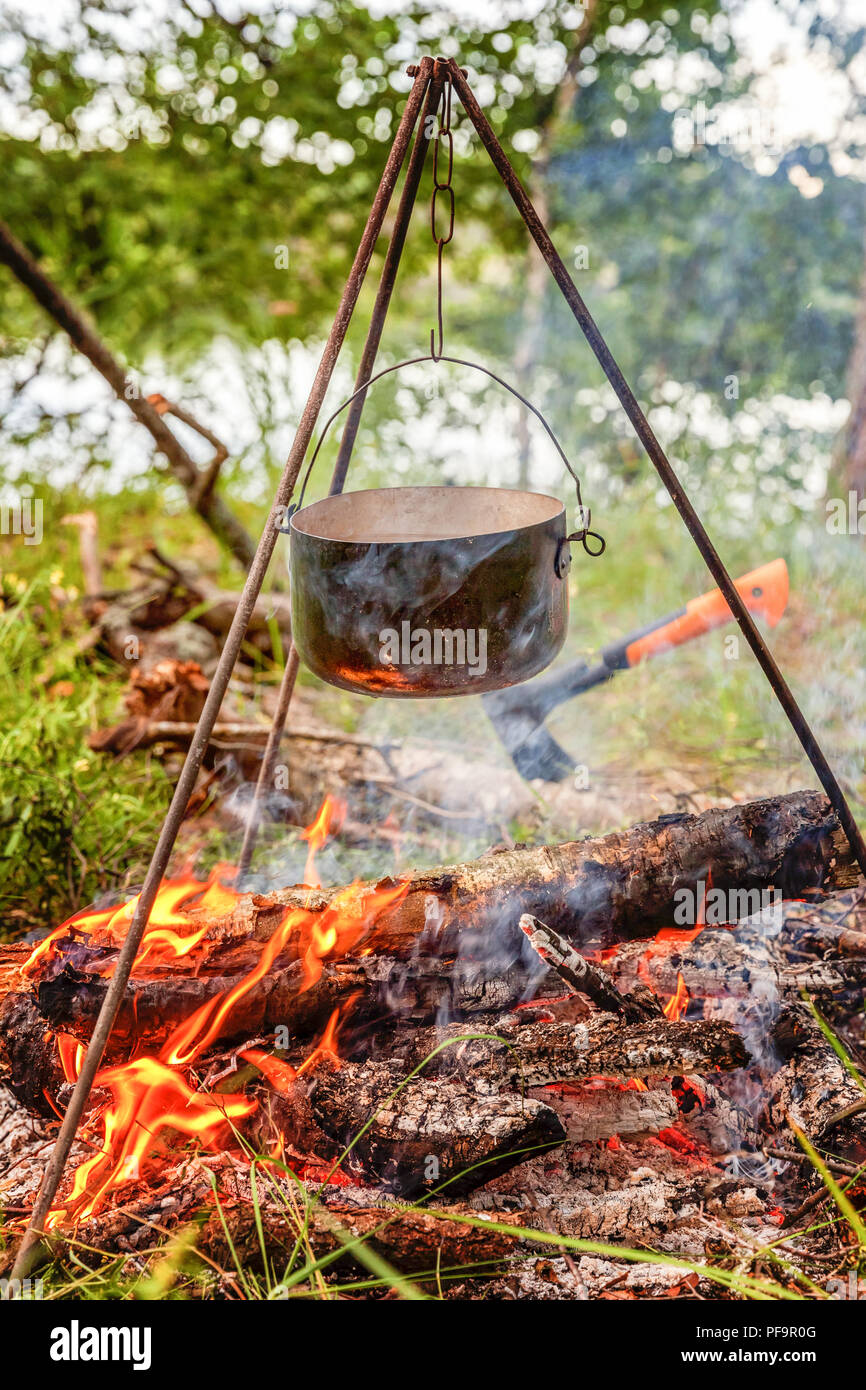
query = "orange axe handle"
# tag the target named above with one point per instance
(764, 591)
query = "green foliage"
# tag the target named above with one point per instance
(73, 825)
(166, 172)
(165, 163)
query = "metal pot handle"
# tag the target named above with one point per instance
(583, 534)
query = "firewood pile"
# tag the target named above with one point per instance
(618, 1040)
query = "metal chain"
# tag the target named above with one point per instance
(444, 187)
(441, 186)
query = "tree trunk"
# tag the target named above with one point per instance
(850, 465)
(207, 503)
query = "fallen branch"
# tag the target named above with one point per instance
(208, 504)
(584, 977)
(543, 1054)
(206, 476)
(413, 1242)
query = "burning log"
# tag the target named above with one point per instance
(379, 987)
(427, 987)
(638, 1213)
(599, 890)
(412, 1241)
(433, 911)
(70, 1002)
(744, 963)
(814, 1090)
(430, 1134)
(543, 1053)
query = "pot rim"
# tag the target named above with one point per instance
(343, 500)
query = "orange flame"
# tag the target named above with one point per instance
(71, 1054)
(147, 1097)
(327, 1044)
(280, 1074)
(679, 1001)
(147, 1094)
(169, 935)
(341, 924)
(331, 815)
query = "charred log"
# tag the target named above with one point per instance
(70, 1002)
(413, 1242)
(416, 991)
(34, 1071)
(637, 1213)
(714, 1119)
(540, 1054)
(621, 882)
(430, 1134)
(815, 1091)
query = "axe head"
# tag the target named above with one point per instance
(519, 721)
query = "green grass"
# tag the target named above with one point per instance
(73, 824)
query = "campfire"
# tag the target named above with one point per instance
(618, 1066)
(457, 1067)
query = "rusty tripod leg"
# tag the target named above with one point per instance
(390, 268)
(642, 427)
(414, 171)
(186, 782)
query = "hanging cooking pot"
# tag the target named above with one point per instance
(431, 591)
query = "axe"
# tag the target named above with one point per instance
(518, 713)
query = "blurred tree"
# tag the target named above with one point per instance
(187, 175)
